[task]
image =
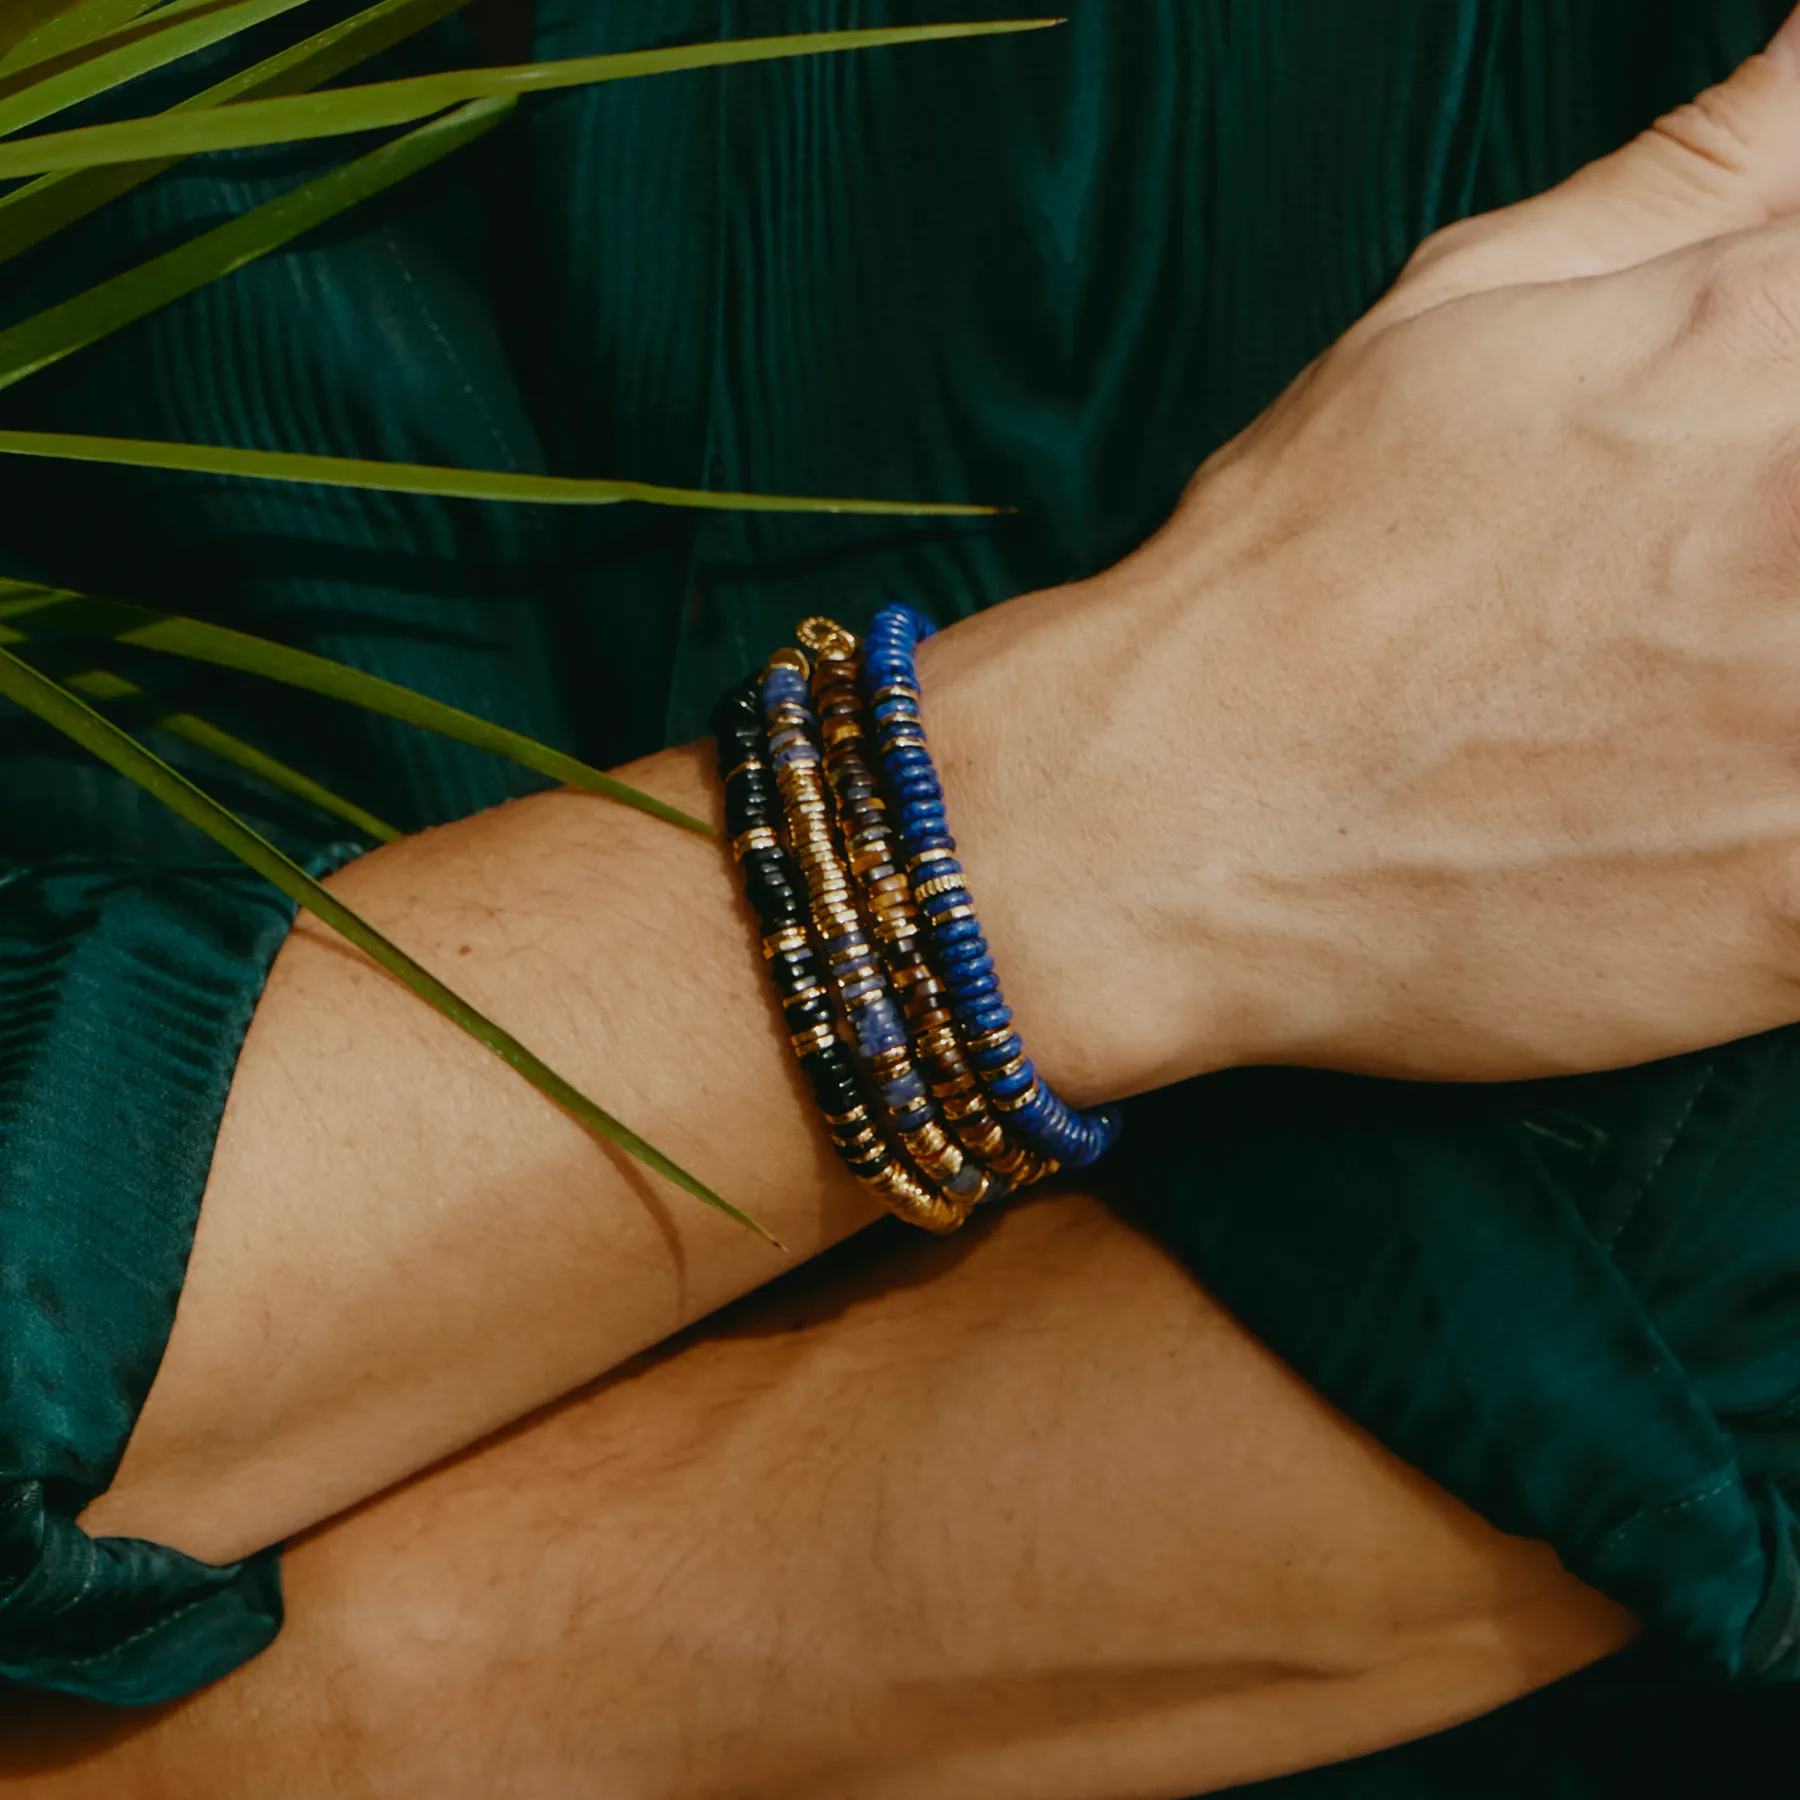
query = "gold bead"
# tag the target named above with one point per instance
(789, 937)
(788, 658)
(758, 837)
(938, 884)
(826, 638)
(960, 1098)
(986, 1142)
(926, 857)
(1021, 1099)
(925, 1142)
(914, 1203)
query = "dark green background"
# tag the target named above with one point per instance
(1054, 272)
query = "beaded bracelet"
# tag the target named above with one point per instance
(778, 896)
(872, 850)
(952, 1182)
(1035, 1114)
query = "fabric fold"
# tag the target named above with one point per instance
(125, 995)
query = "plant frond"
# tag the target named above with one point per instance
(450, 484)
(102, 684)
(36, 693)
(64, 80)
(41, 208)
(51, 27)
(60, 331)
(28, 612)
(388, 103)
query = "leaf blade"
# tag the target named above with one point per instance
(68, 27)
(381, 104)
(444, 483)
(49, 204)
(149, 44)
(103, 684)
(47, 337)
(170, 634)
(75, 719)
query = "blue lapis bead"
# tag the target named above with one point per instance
(966, 988)
(966, 1180)
(1045, 1123)
(975, 968)
(873, 1040)
(1016, 1082)
(956, 931)
(782, 685)
(905, 1093)
(966, 968)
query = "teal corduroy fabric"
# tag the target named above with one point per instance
(1053, 272)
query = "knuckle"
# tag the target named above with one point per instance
(1447, 244)
(1710, 141)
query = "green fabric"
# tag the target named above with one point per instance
(1053, 272)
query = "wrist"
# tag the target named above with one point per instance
(1107, 862)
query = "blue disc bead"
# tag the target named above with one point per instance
(1037, 1116)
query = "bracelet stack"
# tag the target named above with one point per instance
(893, 1008)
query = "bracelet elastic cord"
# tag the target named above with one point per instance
(1034, 1113)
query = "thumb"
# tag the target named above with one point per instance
(1728, 161)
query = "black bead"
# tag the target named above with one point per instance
(802, 1014)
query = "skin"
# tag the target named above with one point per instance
(1021, 1514)
(1445, 731)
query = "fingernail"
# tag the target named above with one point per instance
(1784, 48)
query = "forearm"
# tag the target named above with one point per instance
(403, 1246)
(1296, 783)
(1019, 1514)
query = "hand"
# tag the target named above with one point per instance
(1451, 728)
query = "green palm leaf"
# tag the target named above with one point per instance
(49, 336)
(49, 27)
(150, 43)
(40, 208)
(76, 720)
(388, 103)
(452, 484)
(102, 684)
(27, 612)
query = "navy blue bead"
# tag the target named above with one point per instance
(958, 952)
(964, 989)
